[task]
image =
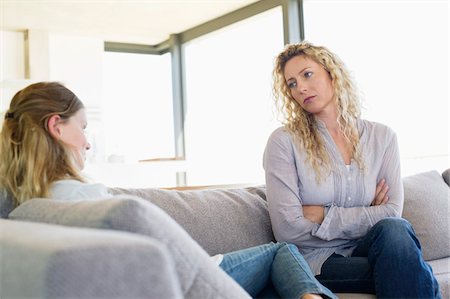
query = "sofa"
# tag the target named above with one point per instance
(119, 247)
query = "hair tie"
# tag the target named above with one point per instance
(9, 115)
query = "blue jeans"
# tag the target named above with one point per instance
(276, 264)
(387, 262)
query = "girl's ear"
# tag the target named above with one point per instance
(54, 127)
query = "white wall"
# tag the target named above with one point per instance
(12, 61)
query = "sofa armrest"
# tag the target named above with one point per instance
(198, 275)
(50, 261)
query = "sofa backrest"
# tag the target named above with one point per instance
(224, 220)
(220, 220)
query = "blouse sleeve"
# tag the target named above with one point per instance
(354, 222)
(282, 188)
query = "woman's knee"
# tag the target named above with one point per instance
(394, 225)
(396, 231)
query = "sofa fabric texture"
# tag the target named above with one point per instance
(427, 208)
(49, 261)
(198, 275)
(224, 220)
(221, 220)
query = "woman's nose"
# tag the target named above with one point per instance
(88, 146)
(302, 88)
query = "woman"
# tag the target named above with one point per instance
(43, 149)
(333, 183)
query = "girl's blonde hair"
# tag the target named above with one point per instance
(31, 159)
(302, 124)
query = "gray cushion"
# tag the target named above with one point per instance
(50, 261)
(220, 220)
(427, 199)
(199, 277)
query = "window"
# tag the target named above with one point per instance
(229, 100)
(398, 52)
(137, 106)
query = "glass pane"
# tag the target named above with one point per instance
(137, 106)
(398, 52)
(229, 100)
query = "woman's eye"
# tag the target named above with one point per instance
(292, 85)
(307, 74)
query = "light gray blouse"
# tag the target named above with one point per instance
(346, 192)
(73, 189)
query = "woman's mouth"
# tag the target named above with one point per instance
(308, 99)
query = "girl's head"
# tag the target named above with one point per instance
(42, 140)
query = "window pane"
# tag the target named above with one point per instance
(398, 52)
(229, 100)
(137, 106)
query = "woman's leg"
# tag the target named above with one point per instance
(387, 261)
(292, 277)
(289, 272)
(347, 275)
(250, 267)
(395, 256)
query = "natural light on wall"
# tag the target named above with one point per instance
(229, 102)
(398, 52)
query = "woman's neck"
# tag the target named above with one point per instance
(329, 118)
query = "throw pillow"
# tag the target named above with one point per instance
(427, 199)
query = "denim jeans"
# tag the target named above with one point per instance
(387, 261)
(276, 264)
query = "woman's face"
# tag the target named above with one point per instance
(310, 85)
(72, 133)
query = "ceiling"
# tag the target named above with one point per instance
(129, 21)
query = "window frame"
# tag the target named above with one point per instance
(293, 27)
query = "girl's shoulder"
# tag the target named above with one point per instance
(73, 189)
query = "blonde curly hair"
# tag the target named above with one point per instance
(31, 159)
(302, 124)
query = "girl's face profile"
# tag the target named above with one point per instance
(310, 84)
(72, 133)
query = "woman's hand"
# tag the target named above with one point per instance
(381, 194)
(314, 213)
